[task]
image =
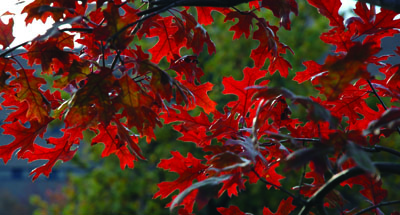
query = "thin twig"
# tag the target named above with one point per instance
(103, 53)
(86, 30)
(376, 94)
(116, 58)
(380, 99)
(307, 139)
(12, 49)
(302, 175)
(376, 206)
(379, 148)
(277, 187)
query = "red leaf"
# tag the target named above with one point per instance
(372, 23)
(192, 128)
(61, 151)
(50, 52)
(29, 92)
(330, 9)
(201, 97)
(117, 140)
(312, 70)
(232, 185)
(268, 47)
(41, 10)
(282, 9)
(199, 36)
(187, 65)
(267, 173)
(285, 208)
(167, 45)
(24, 137)
(244, 102)
(6, 36)
(188, 168)
(114, 23)
(232, 210)
(281, 64)
(245, 22)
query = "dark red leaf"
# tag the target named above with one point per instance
(232, 210)
(281, 9)
(24, 137)
(6, 36)
(285, 208)
(245, 22)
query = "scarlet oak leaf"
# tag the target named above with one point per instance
(244, 102)
(116, 141)
(187, 65)
(41, 10)
(285, 208)
(198, 38)
(204, 15)
(137, 107)
(244, 23)
(268, 47)
(312, 70)
(50, 51)
(93, 102)
(188, 168)
(167, 45)
(330, 9)
(6, 36)
(201, 97)
(281, 64)
(281, 9)
(372, 23)
(24, 137)
(29, 91)
(114, 23)
(232, 210)
(61, 151)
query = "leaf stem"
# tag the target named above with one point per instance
(380, 99)
(376, 206)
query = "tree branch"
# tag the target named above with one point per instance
(343, 176)
(380, 100)
(378, 148)
(393, 5)
(377, 206)
(13, 49)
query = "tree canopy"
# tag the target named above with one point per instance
(98, 75)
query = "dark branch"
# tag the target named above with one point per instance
(377, 206)
(378, 148)
(318, 197)
(380, 100)
(12, 49)
(393, 5)
(86, 30)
